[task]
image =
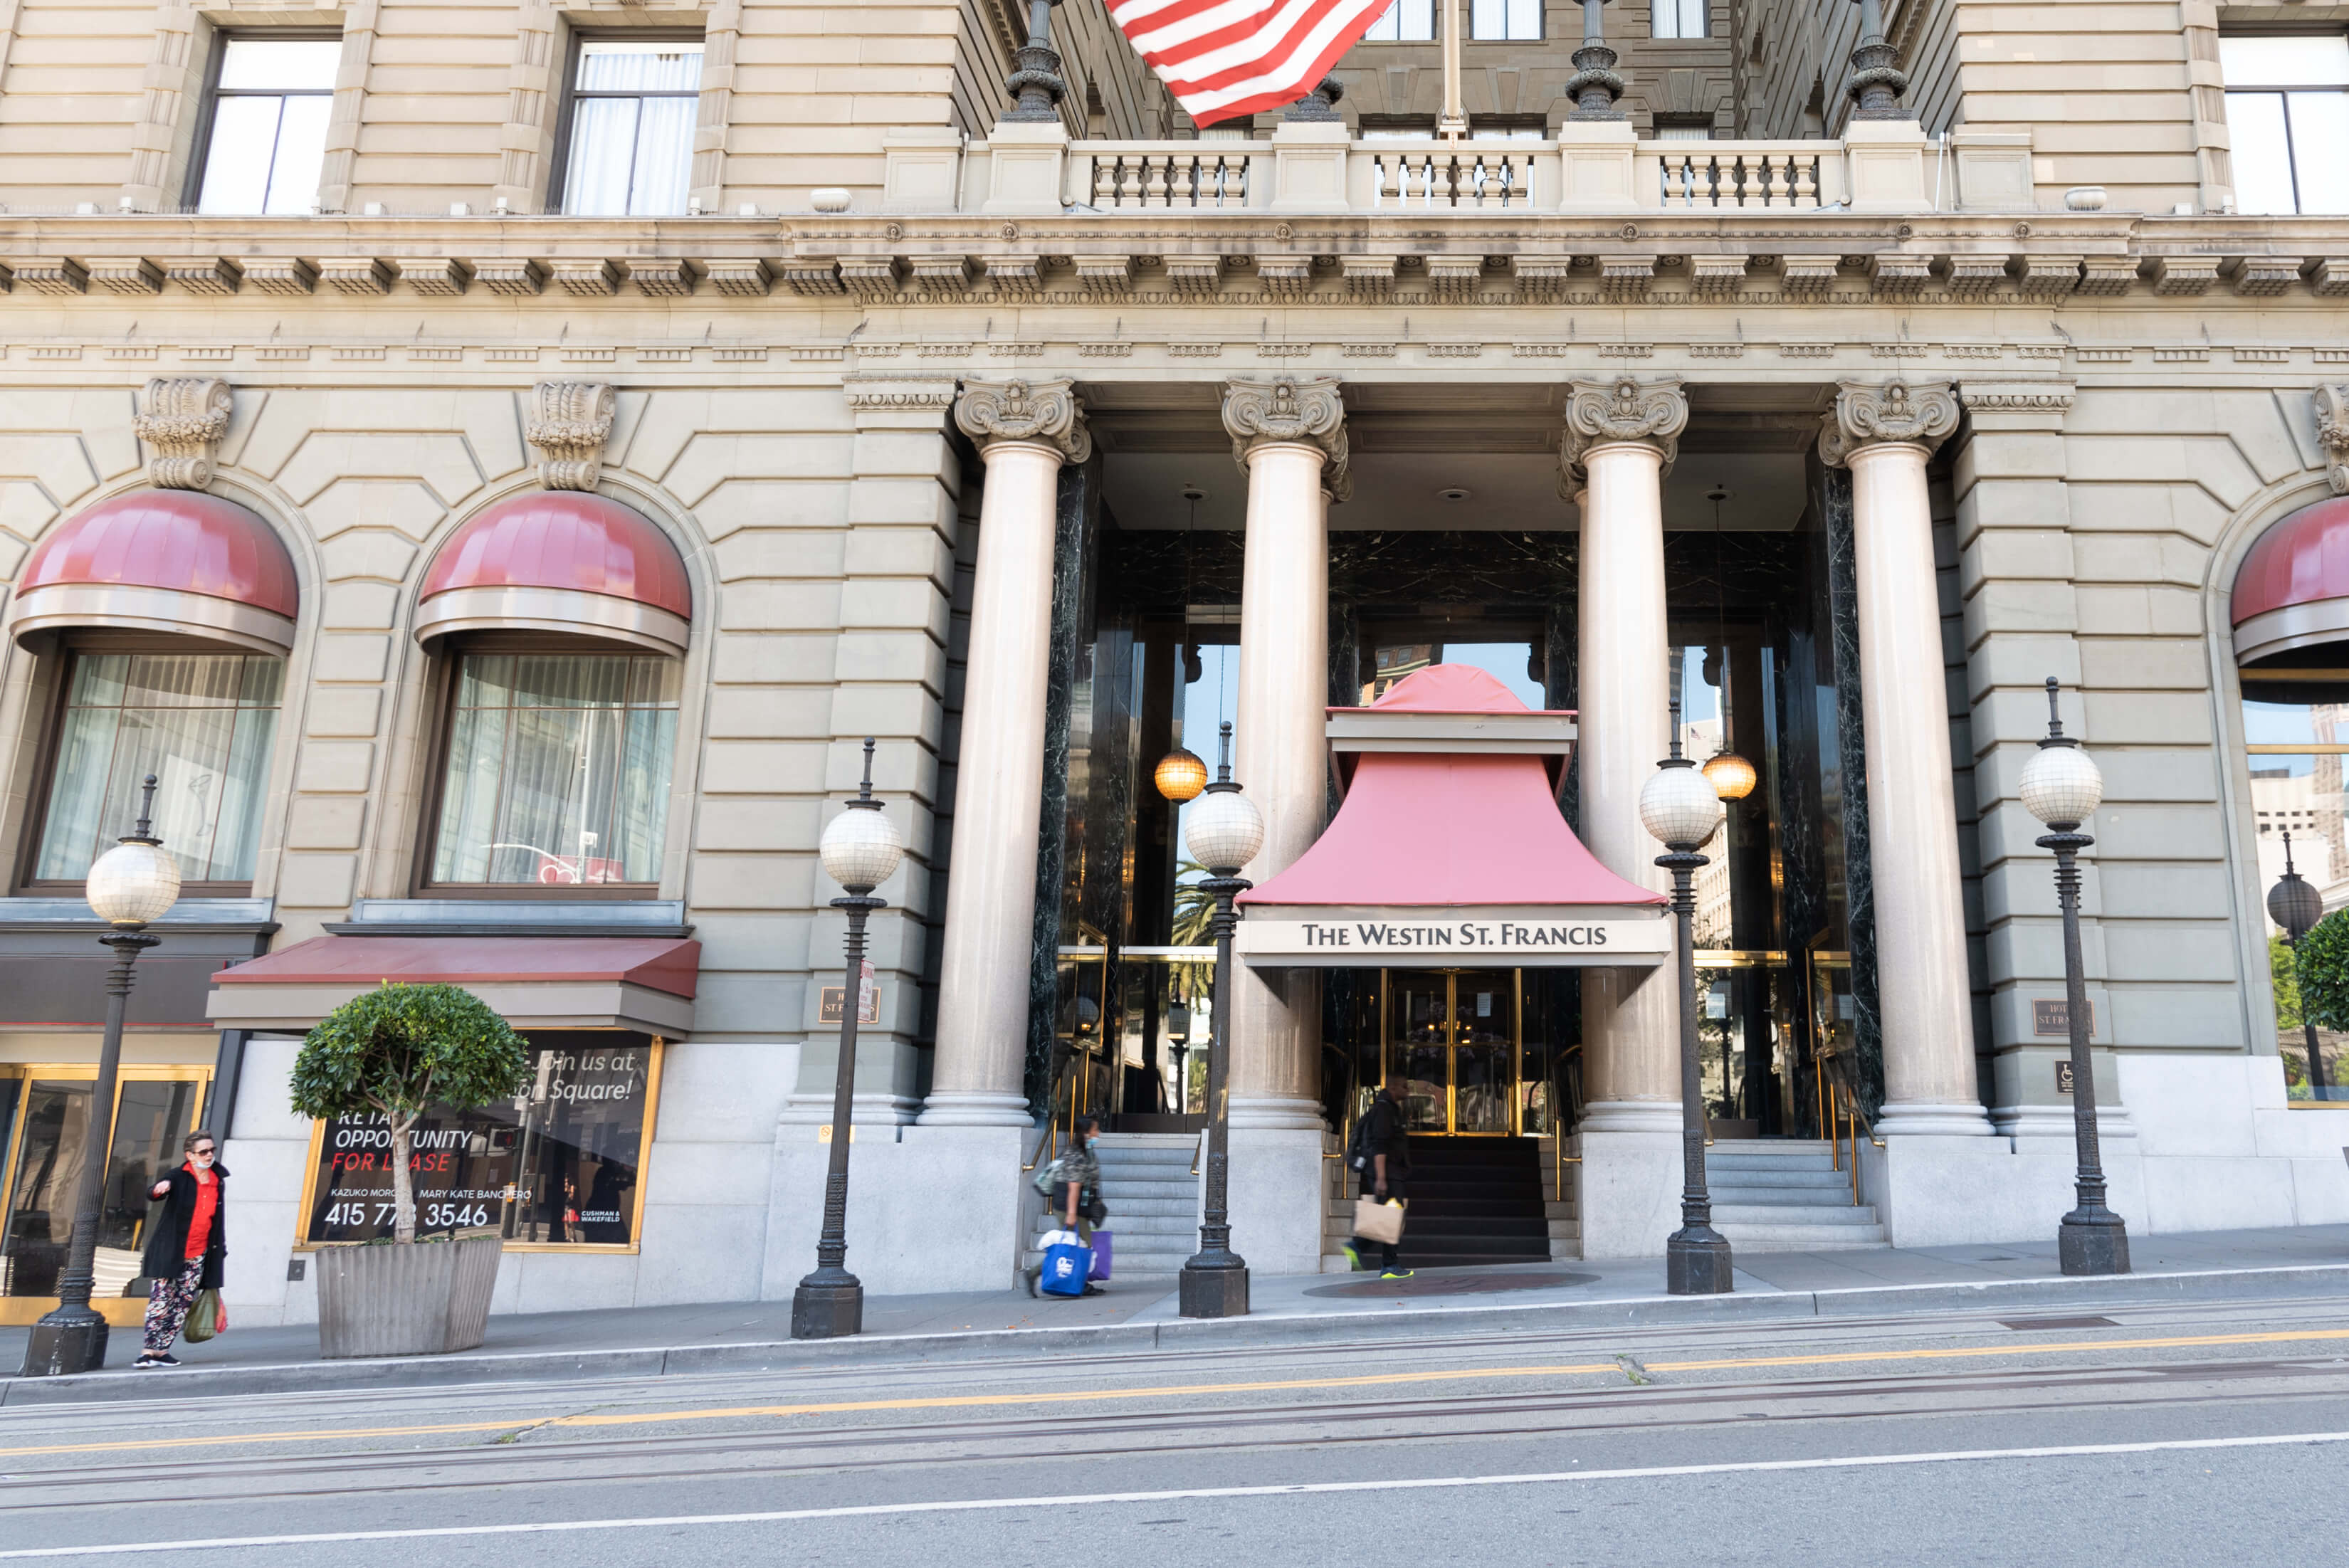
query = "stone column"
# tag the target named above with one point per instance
(1885, 434)
(1289, 435)
(1619, 439)
(1621, 436)
(1025, 431)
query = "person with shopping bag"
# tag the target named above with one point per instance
(1381, 1155)
(1072, 1189)
(185, 1245)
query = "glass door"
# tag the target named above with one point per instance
(45, 1114)
(1452, 1036)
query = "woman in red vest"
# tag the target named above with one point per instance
(184, 1245)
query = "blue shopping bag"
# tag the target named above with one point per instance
(1066, 1269)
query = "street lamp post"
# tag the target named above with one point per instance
(2296, 905)
(2062, 787)
(1224, 832)
(860, 849)
(129, 885)
(1680, 809)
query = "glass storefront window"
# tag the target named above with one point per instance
(2296, 729)
(558, 771)
(560, 1164)
(44, 1121)
(202, 724)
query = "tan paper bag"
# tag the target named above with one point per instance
(1377, 1221)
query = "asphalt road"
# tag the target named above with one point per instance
(2147, 1437)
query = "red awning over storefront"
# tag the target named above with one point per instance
(163, 561)
(2292, 589)
(560, 560)
(546, 982)
(1446, 855)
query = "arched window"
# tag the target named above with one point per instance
(564, 617)
(172, 611)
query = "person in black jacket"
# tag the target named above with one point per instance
(1383, 1137)
(185, 1244)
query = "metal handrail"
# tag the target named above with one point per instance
(1051, 1132)
(1847, 1127)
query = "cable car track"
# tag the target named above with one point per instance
(864, 1448)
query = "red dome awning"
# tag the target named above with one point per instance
(1445, 858)
(562, 560)
(2292, 589)
(163, 561)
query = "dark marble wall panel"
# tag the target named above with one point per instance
(1834, 493)
(1073, 592)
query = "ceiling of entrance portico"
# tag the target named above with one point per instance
(1413, 440)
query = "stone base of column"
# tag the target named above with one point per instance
(977, 1110)
(884, 1110)
(929, 1209)
(1280, 1199)
(1948, 1192)
(1631, 1116)
(1929, 1118)
(1628, 1199)
(2055, 1121)
(1276, 1112)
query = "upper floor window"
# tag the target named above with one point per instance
(1505, 19)
(204, 724)
(2288, 120)
(1404, 21)
(558, 769)
(633, 106)
(1679, 18)
(267, 135)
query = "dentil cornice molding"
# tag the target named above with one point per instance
(1293, 409)
(1890, 413)
(184, 421)
(569, 423)
(1045, 411)
(1600, 413)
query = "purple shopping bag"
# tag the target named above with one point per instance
(1100, 1254)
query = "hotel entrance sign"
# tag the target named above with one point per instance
(1430, 939)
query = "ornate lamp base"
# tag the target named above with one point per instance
(65, 1342)
(1697, 1263)
(1213, 1290)
(2093, 1243)
(828, 1304)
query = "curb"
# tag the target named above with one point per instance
(1258, 1331)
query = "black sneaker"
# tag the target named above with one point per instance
(154, 1361)
(1095, 1290)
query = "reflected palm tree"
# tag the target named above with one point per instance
(1195, 914)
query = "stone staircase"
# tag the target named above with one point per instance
(1784, 1195)
(1153, 1203)
(1560, 1231)
(1565, 1225)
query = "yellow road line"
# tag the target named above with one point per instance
(1093, 1395)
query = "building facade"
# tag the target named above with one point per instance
(494, 464)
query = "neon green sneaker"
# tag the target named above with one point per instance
(1397, 1274)
(1353, 1256)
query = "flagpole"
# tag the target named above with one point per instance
(1454, 123)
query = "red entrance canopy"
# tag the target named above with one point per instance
(1448, 829)
(548, 982)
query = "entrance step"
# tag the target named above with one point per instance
(1153, 1203)
(1785, 1195)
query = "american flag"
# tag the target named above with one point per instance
(1225, 58)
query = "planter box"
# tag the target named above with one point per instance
(423, 1300)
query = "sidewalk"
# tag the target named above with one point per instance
(1139, 1317)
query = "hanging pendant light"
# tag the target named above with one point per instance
(1732, 776)
(1180, 774)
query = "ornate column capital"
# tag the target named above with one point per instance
(2333, 429)
(183, 421)
(1598, 413)
(569, 423)
(1045, 411)
(1892, 414)
(1305, 409)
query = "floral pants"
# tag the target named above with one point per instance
(168, 1300)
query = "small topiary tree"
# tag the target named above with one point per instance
(2325, 973)
(399, 1048)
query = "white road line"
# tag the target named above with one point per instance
(971, 1505)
